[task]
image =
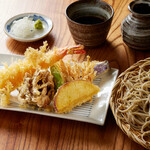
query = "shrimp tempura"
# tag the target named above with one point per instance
(12, 76)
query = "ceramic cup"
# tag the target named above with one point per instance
(89, 21)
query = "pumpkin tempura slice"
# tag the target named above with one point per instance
(72, 94)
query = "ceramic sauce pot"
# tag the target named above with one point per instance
(135, 28)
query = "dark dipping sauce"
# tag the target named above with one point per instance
(142, 8)
(89, 19)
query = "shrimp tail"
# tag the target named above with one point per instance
(78, 49)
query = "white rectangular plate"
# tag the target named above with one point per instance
(94, 112)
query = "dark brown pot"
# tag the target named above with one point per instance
(135, 28)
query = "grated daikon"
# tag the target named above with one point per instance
(23, 28)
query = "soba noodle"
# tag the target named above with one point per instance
(132, 101)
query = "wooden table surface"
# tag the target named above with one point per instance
(19, 131)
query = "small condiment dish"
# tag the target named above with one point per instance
(47, 27)
(89, 21)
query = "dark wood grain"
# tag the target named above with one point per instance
(23, 131)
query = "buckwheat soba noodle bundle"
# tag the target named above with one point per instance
(130, 102)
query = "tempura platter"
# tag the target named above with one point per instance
(94, 112)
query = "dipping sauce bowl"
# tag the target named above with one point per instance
(89, 21)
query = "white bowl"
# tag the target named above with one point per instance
(47, 27)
